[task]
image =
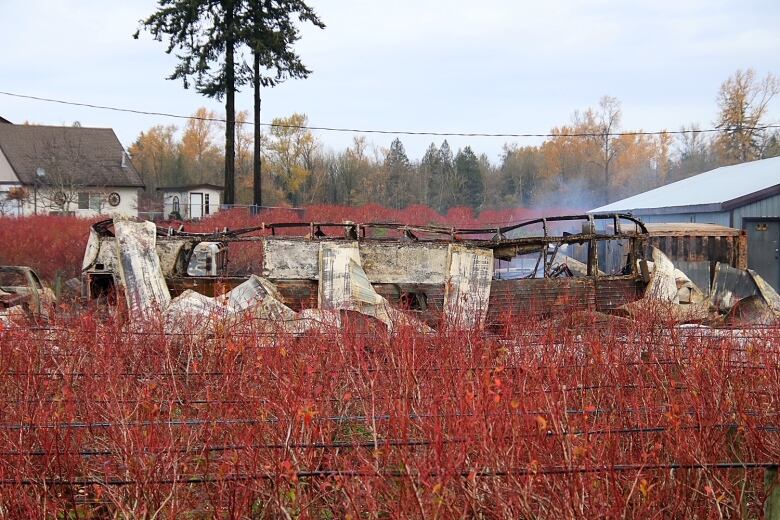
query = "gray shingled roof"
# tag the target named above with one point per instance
(86, 156)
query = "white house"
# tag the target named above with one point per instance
(191, 202)
(65, 170)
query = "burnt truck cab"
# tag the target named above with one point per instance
(21, 286)
(182, 256)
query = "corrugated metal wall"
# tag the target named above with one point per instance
(768, 207)
(721, 218)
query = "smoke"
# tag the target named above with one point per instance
(575, 196)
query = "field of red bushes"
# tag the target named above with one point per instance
(104, 420)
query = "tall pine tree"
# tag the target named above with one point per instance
(398, 172)
(204, 34)
(268, 29)
(470, 186)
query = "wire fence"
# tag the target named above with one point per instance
(657, 418)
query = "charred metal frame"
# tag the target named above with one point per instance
(503, 248)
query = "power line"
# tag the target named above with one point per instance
(376, 131)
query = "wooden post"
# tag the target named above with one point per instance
(772, 485)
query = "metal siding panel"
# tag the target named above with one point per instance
(721, 218)
(768, 207)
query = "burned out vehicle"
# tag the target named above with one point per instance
(21, 288)
(476, 277)
(536, 266)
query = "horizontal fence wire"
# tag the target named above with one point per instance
(383, 474)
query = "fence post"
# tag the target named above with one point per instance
(772, 485)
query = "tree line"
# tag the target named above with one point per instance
(584, 163)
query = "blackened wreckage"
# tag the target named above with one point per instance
(437, 274)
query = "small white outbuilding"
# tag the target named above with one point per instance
(191, 202)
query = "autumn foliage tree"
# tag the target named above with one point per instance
(290, 149)
(743, 102)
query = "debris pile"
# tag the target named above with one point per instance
(738, 296)
(343, 286)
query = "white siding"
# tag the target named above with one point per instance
(721, 218)
(41, 202)
(184, 201)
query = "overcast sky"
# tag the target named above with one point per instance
(450, 66)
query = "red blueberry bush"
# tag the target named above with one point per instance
(537, 420)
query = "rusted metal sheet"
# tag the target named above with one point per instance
(731, 285)
(519, 299)
(612, 293)
(729, 248)
(20, 287)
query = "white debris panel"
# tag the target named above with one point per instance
(394, 262)
(335, 275)
(467, 290)
(662, 285)
(391, 262)
(344, 285)
(98, 252)
(286, 259)
(141, 276)
(256, 297)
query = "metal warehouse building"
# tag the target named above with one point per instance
(744, 196)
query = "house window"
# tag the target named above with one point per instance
(83, 200)
(206, 204)
(96, 202)
(93, 201)
(175, 204)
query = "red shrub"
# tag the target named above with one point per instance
(542, 422)
(52, 245)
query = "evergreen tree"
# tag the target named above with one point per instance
(204, 34)
(398, 173)
(470, 184)
(447, 188)
(268, 28)
(430, 168)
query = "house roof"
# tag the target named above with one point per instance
(76, 155)
(720, 189)
(4, 120)
(190, 187)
